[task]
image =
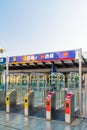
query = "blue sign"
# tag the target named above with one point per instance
(47, 56)
(44, 57)
(2, 60)
(63, 55)
(53, 69)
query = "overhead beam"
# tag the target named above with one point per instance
(84, 69)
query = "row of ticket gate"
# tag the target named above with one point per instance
(50, 112)
(69, 107)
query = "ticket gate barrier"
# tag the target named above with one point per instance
(69, 108)
(57, 84)
(28, 102)
(20, 82)
(2, 100)
(10, 100)
(38, 83)
(50, 105)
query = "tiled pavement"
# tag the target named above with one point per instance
(19, 122)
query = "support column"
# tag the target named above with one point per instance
(7, 61)
(86, 95)
(80, 81)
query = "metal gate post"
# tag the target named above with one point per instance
(86, 95)
(80, 80)
(7, 61)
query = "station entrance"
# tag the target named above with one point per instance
(32, 90)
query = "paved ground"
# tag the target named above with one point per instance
(19, 122)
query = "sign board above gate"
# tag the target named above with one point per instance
(2, 60)
(44, 57)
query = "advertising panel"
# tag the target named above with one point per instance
(65, 55)
(44, 57)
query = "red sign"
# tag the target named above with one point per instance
(67, 107)
(65, 53)
(42, 56)
(48, 105)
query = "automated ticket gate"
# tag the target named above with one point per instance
(69, 108)
(51, 112)
(11, 101)
(12, 106)
(67, 115)
(73, 86)
(28, 102)
(19, 82)
(50, 105)
(38, 83)
(59, 89)
(57, 84)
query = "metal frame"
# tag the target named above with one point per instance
(80, 81)
(86, 95)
